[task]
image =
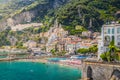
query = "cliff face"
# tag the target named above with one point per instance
(22, 18)
(38, 11)
(27, 16)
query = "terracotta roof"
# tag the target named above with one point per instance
(85, 44)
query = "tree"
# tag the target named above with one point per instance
(93, 49)
(53, 51)
(61, 53)
(112, 53)
(36, 30)
(8, 29)
(19, 44)
(83, 50)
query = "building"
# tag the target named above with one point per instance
(87, 34)
(72, 43)
(52, 45)
(95, 35)
(100, 46)
(71, 47)
(109, 33)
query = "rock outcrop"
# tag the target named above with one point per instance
(28, 16)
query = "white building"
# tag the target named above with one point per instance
(109, 33)
(100, 46)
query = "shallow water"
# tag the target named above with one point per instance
(56, 59)
(36, 71)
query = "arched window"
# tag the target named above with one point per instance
(107, 38)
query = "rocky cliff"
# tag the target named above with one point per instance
(38, 11)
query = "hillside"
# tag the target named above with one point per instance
(75, 16)
(90, 14)
(34, 12)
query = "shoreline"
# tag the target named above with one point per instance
(46, 62)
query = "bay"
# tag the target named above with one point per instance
(37, 71)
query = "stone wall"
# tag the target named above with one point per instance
(100, 71)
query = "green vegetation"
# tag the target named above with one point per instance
(112, 54)
(92, 49)
(53, 51)
(86, 13)
(61, 53)
(8, 7)
(83, 51)
(77, 30)
(82, 12)
(17, 38)
(3, 39)
(34, 4)
(19, 45)
(29, 7)
(90, 14)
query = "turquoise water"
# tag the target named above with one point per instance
(36, 71)
(56, 59)
(4, 52)
(3, 56)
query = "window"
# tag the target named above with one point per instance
(118, 43)
(101, 48)
(107, 49)
(108, 31)
(107, 38)
(113, 38)
(118, 30)
(113, 30)
(118, 39)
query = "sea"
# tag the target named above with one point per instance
(15, 70)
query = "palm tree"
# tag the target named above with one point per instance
(112, 54)
(113, 50)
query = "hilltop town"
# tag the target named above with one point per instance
(56, 40)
